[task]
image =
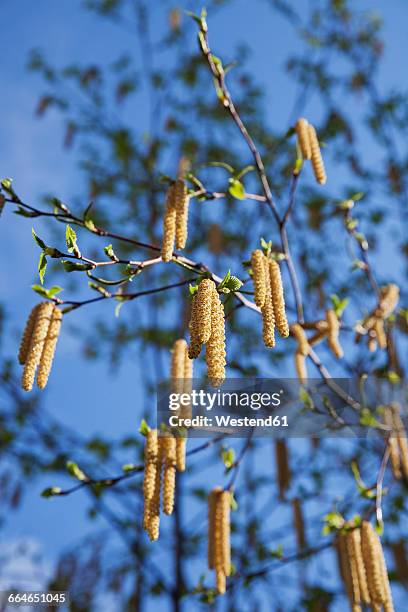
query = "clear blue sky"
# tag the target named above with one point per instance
(31, 153)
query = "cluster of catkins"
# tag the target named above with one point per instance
(373, 324)
(38, 344)
(175, 221)
(207, 326)
(269, 297)
(397, 441)
(159, 482)
(327, 328)
(219, 528)
(310, 148)
(363, 569)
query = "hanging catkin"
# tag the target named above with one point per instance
(268, 315)
(35, 349)
(169, 225)
(219, 547)
(393, 443)
(215, 352)
(299, 524)
(298, 333)
(400, 432)
(181, 442)
(333, 333)
(177, 365)
(50, 344)
(282, 467)
(152, 509)
(344, 566)
(355, 556)
(302, 131)
(258, 276)
(151, 456)
(169, 472)
(388, 300)
(380, 333)
(372, 551)
(182, 201)
(194, 348)
(317, 160)
(203, 314)
(278, 299)
(26, 338)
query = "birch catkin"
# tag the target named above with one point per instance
(333, 333)
(371, 549)
(355, 555)
(298, 333)
(153, 525)
(177, 365)
(151, 457)
(26, 338)
(401, 439)
(393, 443)
(278, 299)
(203, 313)
(268, 315)
(389, 299)
(216, 354)
(182, 200)
(194, 348)
(219, 547)
(50, 344)
(258, 276)
(302, 131)
(35, 349)
(169, 472)
(300, 366)
(169, 226)
(316, 157)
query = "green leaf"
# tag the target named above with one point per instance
(144, 428)
(38, 240)
(47, 293)
(228, 457)
(233, 502)
(233, 283)
(109, 252)
(236, 189)
(71, 241)
(338, 304)
(277, 553)
(129, 467)
(193, 289)
(306, 398)
(42, 266)
(51, 491)
(71, 266)
(76, 471)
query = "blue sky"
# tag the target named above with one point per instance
(31, 153)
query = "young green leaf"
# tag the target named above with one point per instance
(70, 266)
(236, 189)
(47, 293)
(38, 240)
(71, 241)
(42, 266)
(144, 428)
(51, 491)
(76, 471)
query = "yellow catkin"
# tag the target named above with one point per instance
(181, 443)
(153, 526)
(169, 226)
(299, 524)
(169, 472)
(219, 545)
(258, 277)
(48, 352)
(344, 566)
(203, 313)
(354, 592)
(278, 299)
(380, 333)
(371, 547)
(393, 443)
(268, 315)
(26, 338)
(177, 365)
(388, 300)
(194, 348)
(182, 201)
(212, 502)
(317, 160)
(401, 439)
(151, 455)
(333, 333)
(300, 366)
(302, 131)
(298, 333)
(215, 355)
(225, 502)
(39, 334)
(355, 554)
(282, 467)
(388, 603)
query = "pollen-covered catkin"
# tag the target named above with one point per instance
(219, 546)
(194, 348)
(380, 333)
(388, 300)
(215, 355)
(203, 314)
(333, 333)
(298, 333)
(212, 502)
(393, 443)
(50, 344)
(317, 160)
(371, 547)
(282, 467)
(153, 520)
(302, 131)
(225, 502)
(344, 566)
(181, 442)
(278, 299)
(177, 365)
(268, 315)
(401, 439)
(26, 338)
(258, 276)
(39, 334)
(300, 366)
(151, 456)
(169, 472)
(355, 555)
(169, 225)
(182, 201)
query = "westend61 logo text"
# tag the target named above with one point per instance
(223, 399)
